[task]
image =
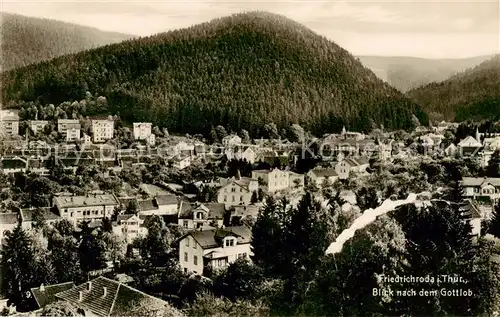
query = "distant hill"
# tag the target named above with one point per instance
(472, 94)
(241, 71)
(27, 40)
(406, 73)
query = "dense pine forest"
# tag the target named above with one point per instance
(473, 94)
(28, 40)
(241, 71)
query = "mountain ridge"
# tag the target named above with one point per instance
(241, 71)
(27, 40)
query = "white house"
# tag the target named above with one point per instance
(70, 128)
(9, 122)
(472, 210)
(102, 130)
(199, 215)
(181, 162)
(348, 165)
(248, 154)
(237, 191)
(470, 145)
(451, 150)
(320, 175)
(274, 179)
(231, 140)
(213, 248)
(142, 130)
(37, 125)
(92, 207)
(130, 227)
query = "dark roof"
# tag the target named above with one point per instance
(162, 200)
(212, 238)
(8, 218)
(119, 299)
(215, 210)
(145, 205)
(126, 200)
(27, 214)
(324, 172)
(48, 294)
(13, 163)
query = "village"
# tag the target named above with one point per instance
(209, 194)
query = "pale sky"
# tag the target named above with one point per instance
(431, 29)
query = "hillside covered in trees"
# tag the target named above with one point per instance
(406, 73)
(28, 40)
(473, 94)
(241, 71)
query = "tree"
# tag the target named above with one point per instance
(61, 309)
(239, 281)
(155, 247)
(297, 133)
(107, 226)
(132, 208)
(207, 304)
(367, 198)
(19, 267)
(492, 169)
(92, 252)
(271, 131)
(245, 136)
(221, 132)
(494, 225)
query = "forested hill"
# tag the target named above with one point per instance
(406, 73)
(473, 94)
(27, 40)
(241, 71)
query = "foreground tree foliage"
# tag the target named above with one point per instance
(255, 71)
(209, 305)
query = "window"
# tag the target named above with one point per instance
(187, 242)
(241, 198)
(241, 189)
(233, 198)
(199, 225)
(199, 215)
(185, 223)
(225, 197)
(229, 242)
(233, 189)
(195, 260)
(185, 257)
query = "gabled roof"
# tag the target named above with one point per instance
(146, 205)
(208, 239)
(471, 209)
(90, 200)
(119, 299)
(479, 181)
(324, 172)
(469, 142)
(45, 295)
(163, 200)
(214, 210)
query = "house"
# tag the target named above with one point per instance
(472, 211)
(9, 122)
(37, 125)
(11, 165)
(351, 135)
(48, 216)
(247, 154)
(470, 145)
(319, 175)
(103, 297)
(237, 191)
(130, 227)
(8, 222)
(102, 130)
(70, 128)
(46, 294)
(151, 139)
(348, 165)
(274, 180)
(142, 130)
(168, 205)
(231, 140)
(181, 162)
(87, 140)
(92, 207)
(199, 215)
(240, 213)
(451, 150)
(213, 248)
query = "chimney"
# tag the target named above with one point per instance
(42, 288)
(105, 292)
(89, 286)
(80, 296)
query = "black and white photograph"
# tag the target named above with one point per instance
(192, 158)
